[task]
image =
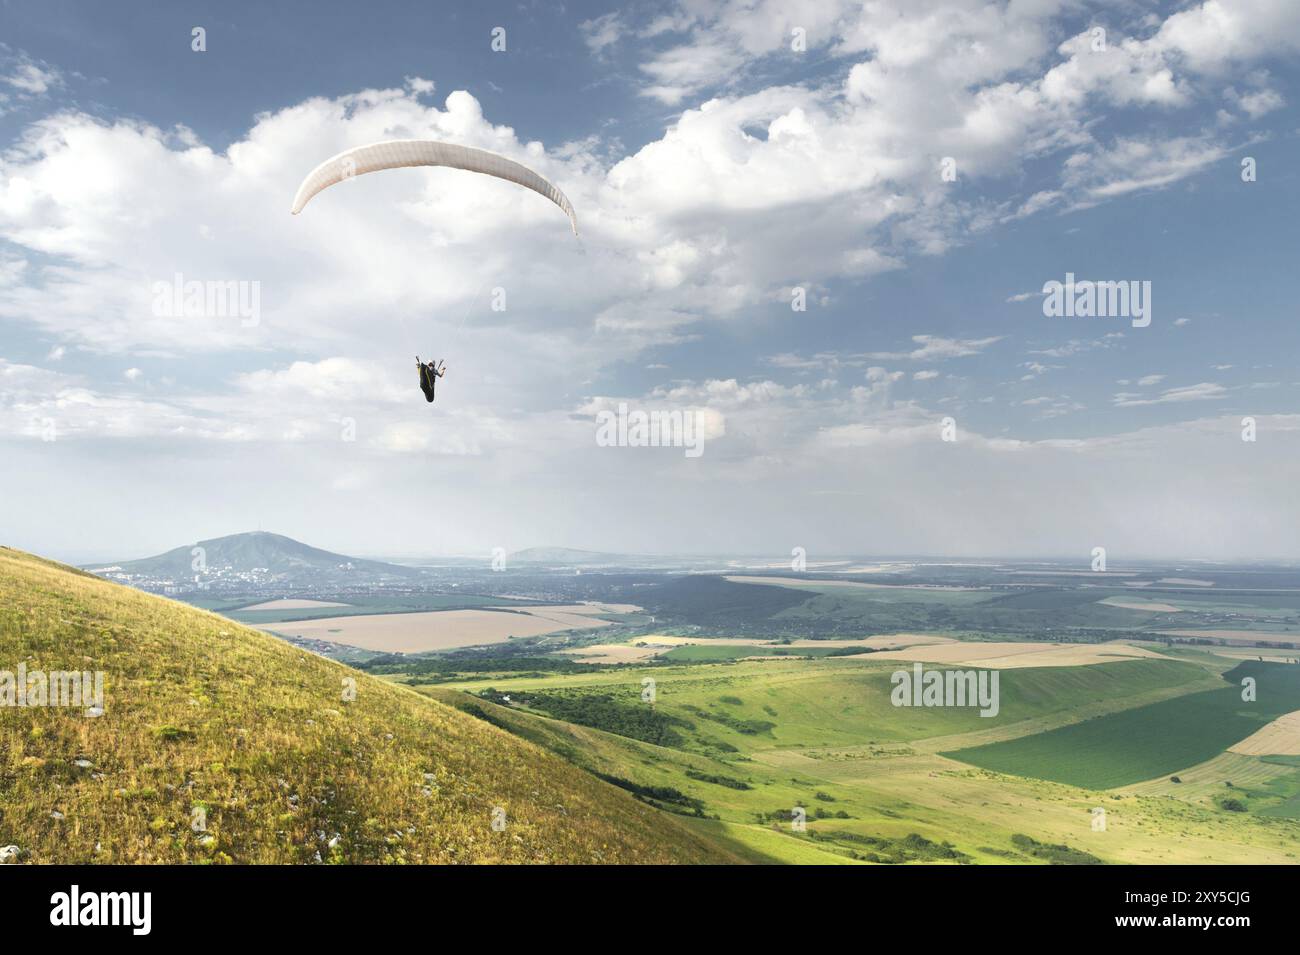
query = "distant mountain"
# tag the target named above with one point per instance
(258, 554)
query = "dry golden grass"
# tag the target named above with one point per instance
(288, 603)
(1150, 606)
(614, 653)
(1010, 655)
(1279, 738)
(204, 714)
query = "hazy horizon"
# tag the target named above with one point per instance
(819, 562)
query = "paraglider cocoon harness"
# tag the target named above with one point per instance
(429, 376)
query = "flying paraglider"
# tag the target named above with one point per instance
(400, 153)
(430, 372)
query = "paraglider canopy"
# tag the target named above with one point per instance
(396, 153)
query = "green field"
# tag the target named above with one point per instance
(845, 702)
(1148, 741)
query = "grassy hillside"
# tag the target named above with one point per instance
(844, 702)
(205, 719)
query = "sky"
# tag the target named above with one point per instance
(818, 231)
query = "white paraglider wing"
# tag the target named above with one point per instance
(397, 153)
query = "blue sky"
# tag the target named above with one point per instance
(714, 169)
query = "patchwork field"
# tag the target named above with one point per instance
(441, 630)
(770, 696)
(755, 699)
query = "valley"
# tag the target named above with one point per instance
(744, 712)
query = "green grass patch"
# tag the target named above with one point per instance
(1148, 741)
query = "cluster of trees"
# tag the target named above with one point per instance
(1056, 854)
(663, 797)
(452, 665)
(748, 727)
(718, 780)
(603, 712)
